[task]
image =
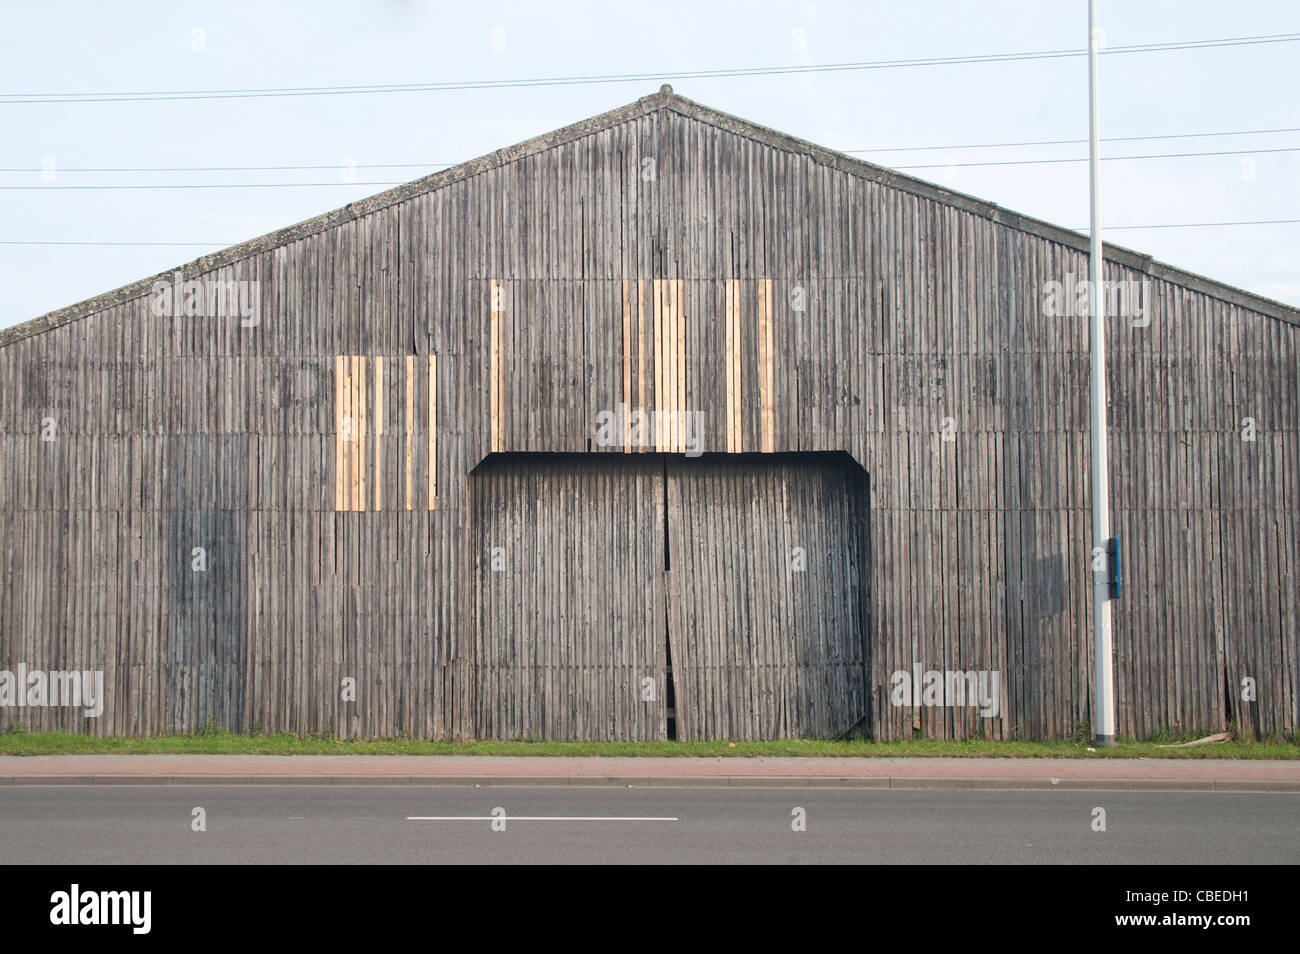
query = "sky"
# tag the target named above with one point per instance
(51, 49)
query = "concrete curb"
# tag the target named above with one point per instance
(899, 782)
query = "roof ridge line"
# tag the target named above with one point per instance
(326, 220)
(664, 98)
(1139, 261)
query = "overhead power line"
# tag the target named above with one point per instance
(205, 185)
(1194, 225)
(345, 182)
(255, 93)
(1036, 162)
(125, 244)
(440, 165)
(1049, 142)
(336, 166)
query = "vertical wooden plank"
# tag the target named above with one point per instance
(729, 384)
(657, 324)
(766, 364)
(408, 445)
(627, 367)
(354, 476)
(670, 365)
(733, 370)
(679, 307)
(433, 432)
(669, 327)
(379, 433)
(363, 463)
(339, 417)
(351, 424)
(497, 292)
(641, 355)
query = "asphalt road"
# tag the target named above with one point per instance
(268, 824)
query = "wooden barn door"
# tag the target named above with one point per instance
(566, 554)
(767, 600)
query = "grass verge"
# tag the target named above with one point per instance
(212, 742)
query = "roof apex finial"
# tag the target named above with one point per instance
(665, 90)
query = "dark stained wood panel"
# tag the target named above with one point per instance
(814, 304)
(767, 596)
(566, 563)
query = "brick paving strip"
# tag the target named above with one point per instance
(1202, 775)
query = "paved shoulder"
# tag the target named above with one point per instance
(930, 773)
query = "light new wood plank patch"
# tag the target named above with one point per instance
(353, 473)
(641, 351)
(679, 313)
(732, 364)
(657, 323)
(497, 288)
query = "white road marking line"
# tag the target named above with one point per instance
(560, 818)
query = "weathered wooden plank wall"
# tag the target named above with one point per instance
(865, 313)
(567, 569)
(767, 598)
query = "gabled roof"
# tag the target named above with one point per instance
(664, 99)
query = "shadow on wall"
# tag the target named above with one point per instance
(207, 641)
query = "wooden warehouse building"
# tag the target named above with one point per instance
(661, 425)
